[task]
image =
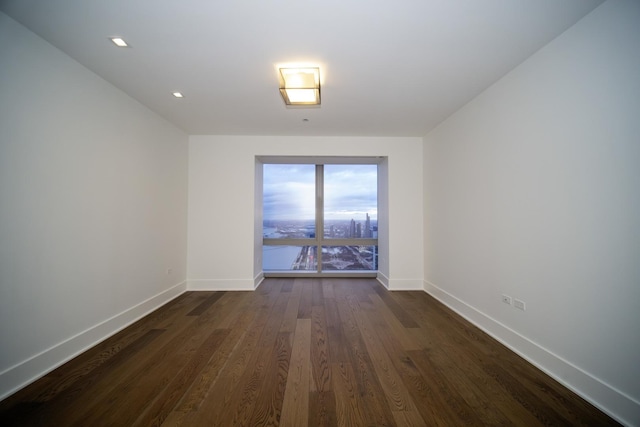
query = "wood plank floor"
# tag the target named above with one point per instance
(298, 352)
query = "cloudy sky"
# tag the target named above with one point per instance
(350, 192)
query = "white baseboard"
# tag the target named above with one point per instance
(30, 370)
(405, 285)
(613, 402)
(384, 280)
(257, 280)
(222, 284)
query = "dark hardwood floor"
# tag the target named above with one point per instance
(297, 352)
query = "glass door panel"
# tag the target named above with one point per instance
(350, 201)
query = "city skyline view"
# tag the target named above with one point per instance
(349, 194)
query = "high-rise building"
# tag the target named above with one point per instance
(367, 228)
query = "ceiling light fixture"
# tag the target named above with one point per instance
(178, 94)
(300, 86)
(119, 41)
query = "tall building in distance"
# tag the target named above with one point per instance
(367, 228)
(358, 230)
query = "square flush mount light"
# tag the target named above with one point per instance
(300, 86)
(119, 41)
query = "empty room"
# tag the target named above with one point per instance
(320, 213)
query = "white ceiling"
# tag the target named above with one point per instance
(389, 67)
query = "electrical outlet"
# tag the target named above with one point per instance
(169, 271)
(519, 304)
(506, 299)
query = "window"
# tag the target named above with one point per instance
(320, 218)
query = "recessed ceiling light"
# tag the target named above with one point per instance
(118, 41)
(178, 94)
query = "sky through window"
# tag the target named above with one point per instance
(289, 191)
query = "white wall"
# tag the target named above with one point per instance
(222, 204)
(533, 190)
(93, 198)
